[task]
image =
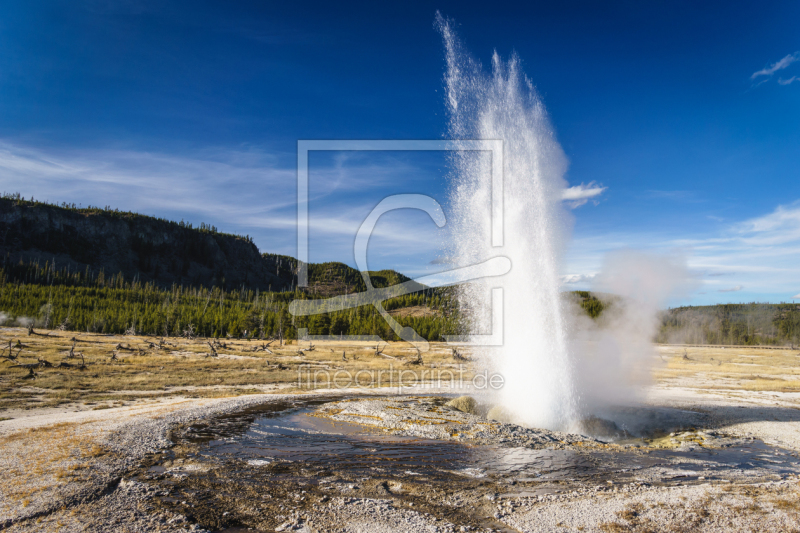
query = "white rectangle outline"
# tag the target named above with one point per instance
(495, 146)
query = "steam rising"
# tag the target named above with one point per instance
(8, 320)
(614, 355)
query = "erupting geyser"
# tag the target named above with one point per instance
(534, 359)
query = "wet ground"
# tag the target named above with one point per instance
(272, 466)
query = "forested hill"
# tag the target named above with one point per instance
(332, 278)
(103, 270)
(101, 249)
(45, 243)
(732, 324)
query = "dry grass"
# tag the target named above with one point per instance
(787, 505)
(745, 369)
(186, 368)
(414, 311)
(613, 527)
(46, 458)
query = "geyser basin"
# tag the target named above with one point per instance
(244, 469)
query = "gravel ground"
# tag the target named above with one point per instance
(366, 515)
(63, 459)
(66, 471)
(773, 417)
(771, 507)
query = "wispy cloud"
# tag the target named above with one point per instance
(732, 289)
(782, 226)
(788, 81)
(782, 64)
(578, 195)
(146, 181)
(572, 279)
(796, 297)
(239, 191)
(760, 254)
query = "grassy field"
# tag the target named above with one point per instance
(725, 368)
(108, 370)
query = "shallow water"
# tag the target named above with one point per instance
(260, 467)
(287, 433)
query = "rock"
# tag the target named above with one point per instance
(600, 427)
(465, 404)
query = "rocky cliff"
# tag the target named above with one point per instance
(150, 249)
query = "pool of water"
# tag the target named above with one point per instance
(288, 432)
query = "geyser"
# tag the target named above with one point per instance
(534, 358)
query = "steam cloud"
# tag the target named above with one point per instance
(11, 321)
(614, 355)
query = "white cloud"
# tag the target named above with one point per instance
(788, 81)
(775, 67)
(782, 226)
(571, 279)
(796, 297)
(761, 253)
(732, 289)
(580, 194)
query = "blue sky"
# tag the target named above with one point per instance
(687, 114)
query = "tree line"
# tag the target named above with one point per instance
(112, 304)
(44, 296)
(732, 324)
